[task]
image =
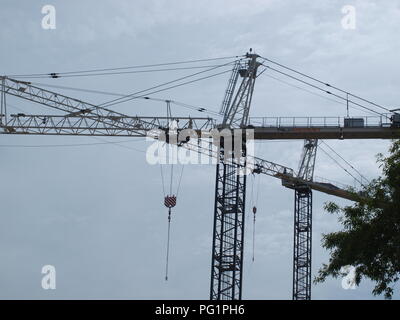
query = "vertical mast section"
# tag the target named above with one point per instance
(303, 224)
(237, 113)
(3, 108)
(230, 189)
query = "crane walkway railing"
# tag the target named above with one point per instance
(328, 122)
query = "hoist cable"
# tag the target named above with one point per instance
(254, 217)
(170, 184)
(254, 236)
(164, 89)
(178, 103)
(115, 73)
(316, 94)
(324, 83)
(168, 240)
(129, 67)
(179, 182)
(348, 163)
(134, 95)
(252, 202)
(162, 179)
(343, 168)
(258, 189)
(323, 90)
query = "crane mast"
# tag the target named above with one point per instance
(302, 244)
(230, 191)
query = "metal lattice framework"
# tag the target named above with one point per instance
(231, 87)
(99, 126)
(75, 117)
(302, 244)
(230, 190)
(302, 249)
(229, 219)
(82, 118)
(307, 162)
(237, 113)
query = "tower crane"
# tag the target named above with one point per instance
(78, 118)
(303, 223)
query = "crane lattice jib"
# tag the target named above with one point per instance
(86, 119)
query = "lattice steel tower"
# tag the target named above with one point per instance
(303, 224)
(230, 189)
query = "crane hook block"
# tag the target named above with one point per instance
(254, 210)
(170, 201)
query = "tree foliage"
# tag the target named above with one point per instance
(370, 238)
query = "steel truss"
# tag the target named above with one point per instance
(302, 243)
(228, 232)
(230, 188)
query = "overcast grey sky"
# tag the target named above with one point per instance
(96, 212)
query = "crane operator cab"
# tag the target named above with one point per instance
(395, 118)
